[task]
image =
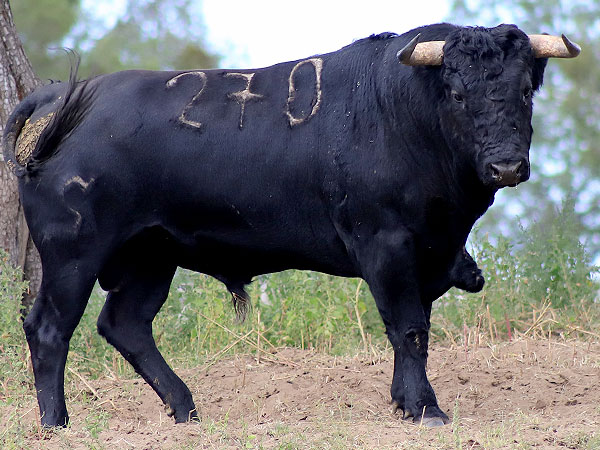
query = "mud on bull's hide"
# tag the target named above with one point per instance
(28, 139)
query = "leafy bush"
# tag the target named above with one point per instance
(542, 283)
(12, 288)
(303, 309)
(13, 348)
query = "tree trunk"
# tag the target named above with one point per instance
(16, 81)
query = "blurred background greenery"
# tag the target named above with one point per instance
(151, 34)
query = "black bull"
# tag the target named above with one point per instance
(347, 163)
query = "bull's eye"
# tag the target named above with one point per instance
(457, 97)
(527, 94)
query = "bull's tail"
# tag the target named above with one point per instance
(52, 129)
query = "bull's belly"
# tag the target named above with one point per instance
(245, 255)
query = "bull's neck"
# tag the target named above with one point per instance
(390, 128)
(409, 99)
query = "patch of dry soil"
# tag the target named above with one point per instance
(518, 395)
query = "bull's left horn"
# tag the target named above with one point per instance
(417, 53)
(546, 46)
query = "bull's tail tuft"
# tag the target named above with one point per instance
(241, 302)
(14, 125)
(26, 145)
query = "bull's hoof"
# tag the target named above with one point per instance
(191, 416)
(183, 411)
(49, 423)
(396, 407)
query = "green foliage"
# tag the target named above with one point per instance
(12, 338)
(303, 309)
(14, 382)
(42, 25)
(555, 266)
(315, 310)
(542, 283)
(152, 34)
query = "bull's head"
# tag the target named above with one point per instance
(489, 77)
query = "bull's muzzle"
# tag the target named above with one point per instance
(508, 173)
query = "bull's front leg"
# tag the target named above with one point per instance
(397, 389)
(389, 269)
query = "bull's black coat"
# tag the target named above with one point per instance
(382, 176)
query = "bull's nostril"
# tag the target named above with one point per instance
(496, 171)
(517, 166)
(506, 174)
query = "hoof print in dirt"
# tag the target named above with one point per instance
(430, 421)
(434, 417)
(427, 421)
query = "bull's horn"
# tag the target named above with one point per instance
(417, 53)
(545, 46)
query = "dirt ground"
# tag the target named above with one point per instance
(525, 394)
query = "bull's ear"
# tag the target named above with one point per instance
(537, 73)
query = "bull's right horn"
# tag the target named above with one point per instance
(417, 53)
(546, 46)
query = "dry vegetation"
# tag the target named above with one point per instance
(523, 394)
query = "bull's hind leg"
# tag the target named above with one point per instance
(126, 323)
(49, 326)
